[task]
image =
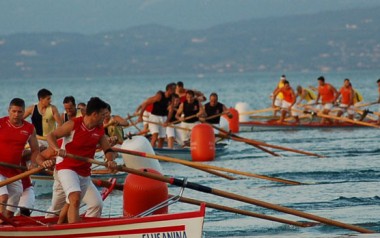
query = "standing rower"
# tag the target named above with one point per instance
(327, 93)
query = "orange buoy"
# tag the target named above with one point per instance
(234, 121)
(202, 143)
(141, 193)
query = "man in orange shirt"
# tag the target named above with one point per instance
(347, 99)
(289, 99)
(328, 94)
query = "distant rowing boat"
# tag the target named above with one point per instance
(274, 125)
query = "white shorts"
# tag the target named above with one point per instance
(13, 190)
(146, 115)
(154, 128)
(278, 102)
(346, 108)
(28, 198)
(92, 199)
(171, 131)
(72, 182)
(285, 105)
(327, 106)
(184, 135)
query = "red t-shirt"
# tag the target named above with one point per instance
(82, 141)
(12, 142)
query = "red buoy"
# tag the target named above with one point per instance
(141, 193)
(202, 144)
(234, 121)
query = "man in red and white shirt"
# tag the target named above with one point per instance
(15, 133)
(80, 137)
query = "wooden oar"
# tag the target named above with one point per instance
(246, 213)
(103, 183)
(132, 123)
(21, 176)
(319, 114)
(184, 119)
(255, 142)
(269, 109)
(201, 165)
(225, 194)
(367, 104)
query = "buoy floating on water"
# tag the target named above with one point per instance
(141, 193)
(202, 143)
(242, 107)
(141, 144)
(234, 121)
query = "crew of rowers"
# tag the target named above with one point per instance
(163, 112)
(328, 100)
(81, 130)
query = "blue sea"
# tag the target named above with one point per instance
(344, 186)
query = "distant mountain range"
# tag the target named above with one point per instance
(330, 41)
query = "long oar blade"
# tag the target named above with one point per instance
(205, 189)
(200, 165)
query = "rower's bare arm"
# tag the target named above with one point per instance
(56, 115)
(28, 111)
(34, 148)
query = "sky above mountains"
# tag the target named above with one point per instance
(93, 16)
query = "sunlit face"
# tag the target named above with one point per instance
(16, 114)
(101, 115)
(46, 101)
(176, 101)
(286, 86)
(321, 83)
(70, 109)
(189, 98)
(346, 83)
(213, 100)
(107, 116)
(82, 109)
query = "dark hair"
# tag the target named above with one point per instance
(214, 94)
(378, 81)
(17, 102)
(43, 93)
(180, 84)
(286, 82)
(191, 92)
(321, 78)
(69, 99)
(169, 86)
(174, 95)
(95, 104)
(108, 107)
(82, 104)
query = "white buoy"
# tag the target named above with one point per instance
(141, 144)
(223, 124)
(242, 107)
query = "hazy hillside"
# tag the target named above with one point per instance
(345, 40)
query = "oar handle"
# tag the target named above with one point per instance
(21, 176)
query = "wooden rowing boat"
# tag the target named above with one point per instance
(274, 125)
(185, 152)
(183, 224)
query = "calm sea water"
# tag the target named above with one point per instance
(344, 186)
